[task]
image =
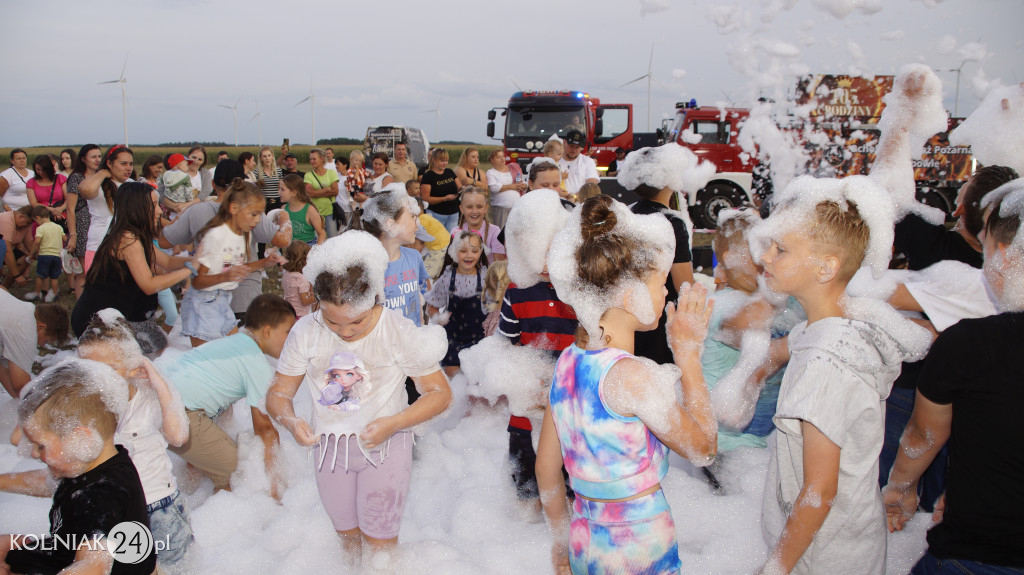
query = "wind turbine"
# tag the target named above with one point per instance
(649, 77)
(258, 116)
(437, 112)
(234, 111)
(311, 98)
(124, 97)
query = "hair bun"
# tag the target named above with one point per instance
(597, 217)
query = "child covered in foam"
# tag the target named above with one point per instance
(70, 415)
(152, 419)
(746, 345)
(613, 416)
(362, 458)
(822, 507)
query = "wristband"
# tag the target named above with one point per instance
(192, 268)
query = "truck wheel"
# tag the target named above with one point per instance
(936, 199)
(713, 199)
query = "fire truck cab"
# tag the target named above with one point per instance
(532, 117)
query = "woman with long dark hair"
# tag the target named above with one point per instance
(117, 167)
(123, 275)
(86, 164)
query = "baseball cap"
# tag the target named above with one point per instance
(291, 155)
(575, 137)
(176, 159)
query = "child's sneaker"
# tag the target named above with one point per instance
(31, 296)
(51, 296)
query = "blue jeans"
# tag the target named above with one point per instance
(450, 222)
(206, 314)
(930, 565)
(171, 527)
(898, 408)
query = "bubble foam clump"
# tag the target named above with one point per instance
(670, 166)
(529, 230)
(1005, 268)
(385, 206)
(796, 204)
(97, 378)
(352, 248)
(651, 231)
(995, 130)
(495, 368)
(913, 113)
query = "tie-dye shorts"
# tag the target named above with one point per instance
(625, 537)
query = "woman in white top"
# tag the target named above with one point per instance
(98, 189)
(505, 187)
(202, 180)
(13, 180)
(381, 177)
(354, 356)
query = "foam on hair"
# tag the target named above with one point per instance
(72, 393)
(348, 269)
(529, 230)
(603, 257)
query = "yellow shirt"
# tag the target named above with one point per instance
(51, 238)
(436, 229)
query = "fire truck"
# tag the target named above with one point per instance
(840, 134)
(533, 116)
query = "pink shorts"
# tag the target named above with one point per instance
(87, 263)
(358, 493)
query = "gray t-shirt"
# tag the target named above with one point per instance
(188, 224)
(839, 375)
(17, 332)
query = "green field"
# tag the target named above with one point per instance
(300, 151)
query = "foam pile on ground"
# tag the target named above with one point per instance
(495, 368)
(652, 231)
(913, 114)
(995, 130)
(670, 166)
(529, 230)
(352, 248)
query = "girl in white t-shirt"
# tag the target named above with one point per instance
(222, 255)
(363, 455)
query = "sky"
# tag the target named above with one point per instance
(393, 63)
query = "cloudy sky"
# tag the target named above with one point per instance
(387, 62)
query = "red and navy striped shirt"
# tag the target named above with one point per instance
(535, 316)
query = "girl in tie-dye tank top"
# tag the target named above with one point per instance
(612, 416)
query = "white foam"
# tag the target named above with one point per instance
(495, 368)
(336, 255)
(529, 230)
(670, 166)
(995, 130)
(651, 232)
(913, 113)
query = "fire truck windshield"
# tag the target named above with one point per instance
(539, 123)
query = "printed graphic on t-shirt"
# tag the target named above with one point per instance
(345, 380)
(402, 291)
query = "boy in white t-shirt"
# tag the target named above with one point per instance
(822, 510)
(153, 418)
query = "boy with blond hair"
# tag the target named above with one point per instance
(70, 415)
(822, 509)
